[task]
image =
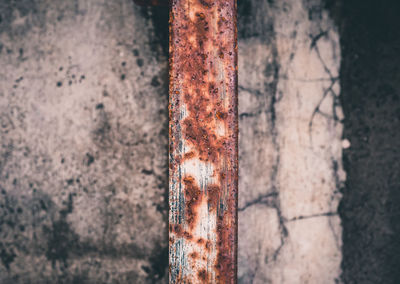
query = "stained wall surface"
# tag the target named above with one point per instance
(83, 136)
(370, 207)
(83, 167)
(290, 144)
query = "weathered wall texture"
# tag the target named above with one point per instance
(83, 167)
(290, 144)
(83, 144)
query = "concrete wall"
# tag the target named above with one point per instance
(290, 144)
(83, 144)
(370, 207)
(83, 135)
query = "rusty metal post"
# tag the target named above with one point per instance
(203, 154)
(203, 131)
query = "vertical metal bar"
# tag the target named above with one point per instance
(203, 182)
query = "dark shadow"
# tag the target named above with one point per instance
(370, 96)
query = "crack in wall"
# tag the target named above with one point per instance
(299, 109)
(327, 214)
(263, 199)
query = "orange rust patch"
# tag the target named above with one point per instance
(193, 198)
(225, 263)
(201, 16)
(189, 155)
(213, 196)
(220, 115)
(179, 232)
(203, 138)
(199, 127)
(188, 179)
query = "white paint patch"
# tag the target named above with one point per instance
(202, 172)
(346, 144)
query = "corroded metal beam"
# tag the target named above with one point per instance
(203, 182)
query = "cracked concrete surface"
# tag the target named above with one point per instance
(83, 167)
(290, 146)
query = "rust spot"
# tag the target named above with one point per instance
(205, 141)
(201, 16)
(213, 192)
(194, 255)
(179, 232)
(220, 115)
(176, 229)
(189, 155)
(202, 275)
(187, 235)
(193, 198)
(188, 180)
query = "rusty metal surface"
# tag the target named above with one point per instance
(203, 142)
